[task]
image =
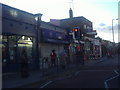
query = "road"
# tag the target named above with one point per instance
(103, 74)
(86, 79)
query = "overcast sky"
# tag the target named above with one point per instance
(100, 12)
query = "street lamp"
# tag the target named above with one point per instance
(38, 35)
(113, 35)
(113, 29)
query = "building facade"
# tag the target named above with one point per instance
(20, 30)
(52, 37)
(86, 40)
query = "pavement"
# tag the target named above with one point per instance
(14, 80)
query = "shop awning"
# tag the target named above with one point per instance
(54, 41)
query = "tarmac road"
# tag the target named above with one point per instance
(101, 75)
(85, 79)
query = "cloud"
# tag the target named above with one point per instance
(102, 24)
(106, 28)
(105, 31)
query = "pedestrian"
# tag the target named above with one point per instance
(53, 56)
(62, 57)
(24, 64)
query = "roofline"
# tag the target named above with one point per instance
(52, 24)
(75, 17)
(19, 9)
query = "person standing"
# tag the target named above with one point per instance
(62, 57)
(24, 64)
(53, 56)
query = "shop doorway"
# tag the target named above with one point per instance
(11, 52)
(27, 43)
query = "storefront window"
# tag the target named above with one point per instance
(26, 42)
(12, 48)
(87, 48)
(4, 54)
(4, 38)
(1, 38)
(3, 46)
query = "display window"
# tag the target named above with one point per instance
(12, 46)
(3, 46)
(26, 42)
(3, 40)
(12, 41)
(4, 54)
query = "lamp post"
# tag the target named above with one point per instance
(38, 36)
(113, 35)
(113, 30)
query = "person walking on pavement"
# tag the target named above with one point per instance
(53, 56)
(24, 64)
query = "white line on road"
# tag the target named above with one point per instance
(46, 84)
(106, 81)
(61, 78)
(116, 72)
(106, 85)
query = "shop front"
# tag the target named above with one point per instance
(12, 46)
(19, 30)
(51, 39)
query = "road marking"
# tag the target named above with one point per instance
(106, 81)
(46, 84)
(116, 72)
(55, 80)
(106, 85)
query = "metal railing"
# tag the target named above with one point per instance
(47, 69)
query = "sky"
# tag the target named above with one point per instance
(100, 12)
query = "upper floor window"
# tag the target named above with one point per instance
(85, 26)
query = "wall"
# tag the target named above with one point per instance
(15, 21)
(18, 15)
(119, 21)
(74, 22)
(0, 47)
(46, 49)
(0, 18)
(52, 27)
(16, 27)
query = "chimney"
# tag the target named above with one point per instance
(70, 13)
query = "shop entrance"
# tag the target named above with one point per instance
(26, 42)
(12, 46)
